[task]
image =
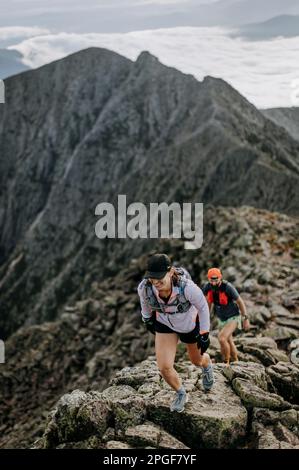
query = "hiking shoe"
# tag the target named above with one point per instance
(208, 377)
(179, 402)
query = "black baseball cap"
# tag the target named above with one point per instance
(157, 266)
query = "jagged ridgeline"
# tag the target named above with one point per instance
(82, 130)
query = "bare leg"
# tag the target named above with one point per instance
(223, 337)
(233, 349)
(165, 345)
(204, 361)
(225, 351)
(196, 358)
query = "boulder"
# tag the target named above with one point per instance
(265, 277)
(149, 434)
(117, 445)
(251, 286)
(230, 274)
(291, 299)
(254, 396)
(263, 348)
(279, 311)
(280, 333)
(289, 418)
(274, 429)
(128, 407)
(285, 379)
(258, 341)
(205, 421)
(249, 371)
(137, 376)
(294, 348)
(77, 415)
(295, 356)
(288, 322)
(293, 344)
(256, 318)
(278, 438)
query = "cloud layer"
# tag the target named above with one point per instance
(264, 72)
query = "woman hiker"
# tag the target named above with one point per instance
(228, 307)
(174, 308)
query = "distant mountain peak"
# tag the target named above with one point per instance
(147, 60)
(282, 25)
(146, 56)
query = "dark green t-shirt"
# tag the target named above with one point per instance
(224, 311)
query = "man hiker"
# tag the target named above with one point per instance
(229, 308)
(174, 308)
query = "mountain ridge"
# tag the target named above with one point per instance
(96, 125)
(98, 339)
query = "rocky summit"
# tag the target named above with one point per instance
(241, 411)
(89, 378)
(86, 128)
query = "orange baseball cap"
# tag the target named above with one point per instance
(214, 272)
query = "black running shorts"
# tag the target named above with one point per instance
(188, 338)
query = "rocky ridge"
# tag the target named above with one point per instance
(95, 338)
(134, 411)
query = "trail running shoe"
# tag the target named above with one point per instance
(179, 402)
(208, 377)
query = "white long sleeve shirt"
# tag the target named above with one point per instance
(179, 322)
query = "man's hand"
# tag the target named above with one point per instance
(246, 324)
(203, 342)
(149, 325)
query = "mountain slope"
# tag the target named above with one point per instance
(285, 117)
(94, 125)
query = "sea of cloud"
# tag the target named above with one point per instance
(265, 72)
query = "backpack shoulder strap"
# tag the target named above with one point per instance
(152, 299)
(181, 295)
(183, 272)
(223, 286)
(226, 284)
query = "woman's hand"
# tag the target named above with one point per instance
(203, 342)
(149, 325)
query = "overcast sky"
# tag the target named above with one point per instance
(130, 15)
